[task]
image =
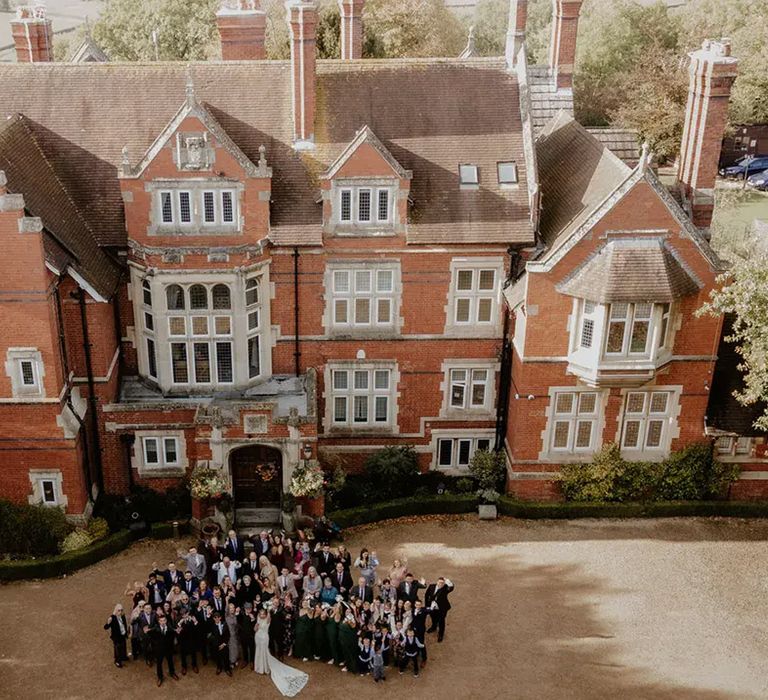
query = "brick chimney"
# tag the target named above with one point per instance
(712, 70)
(242, 28)
(351, 29)
(302, 25)
(32, 34)
(562, 50)
(518, 17)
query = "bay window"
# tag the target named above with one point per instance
(195, 207)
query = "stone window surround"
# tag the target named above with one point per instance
(671, 430)
(196, 187)
(21, 391)
(457, 434)
(474, 330)
(160, 470)
(394, 397)
(557, 456)
(36, 477)
(374, 227)
(363, 331)
(488, 411)
(236, 282)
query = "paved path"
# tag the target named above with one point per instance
(671, 609)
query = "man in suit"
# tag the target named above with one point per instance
(342, 580)
(251, 566)
(261, 544)
(146, 622)
(409, 588)
(157, 589)
(362, 591)
(325, 562)
(171, 576)
(186, 629)
(286, 583)
(217, 602)
(419, 625)
(195, 563)
(204, 621)
(163, 637)
(219, 636)
(234, 547)
(213, 555)
(190, 584)
(227, 567)
(436, 600)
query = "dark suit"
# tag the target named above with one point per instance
(439, 596)
(187, 633)
(213, 556)
(366, 594)
(118, 638)
(419, 624)
(219, 636)
(189, 586)
(145, 636)
(235, 550)
(344, 584)
(406, 592)
(261, 546)
(170, 579)
(326, 564)
(250, 567)
(162, 644)
(159, 588)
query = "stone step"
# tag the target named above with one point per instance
(257, 517)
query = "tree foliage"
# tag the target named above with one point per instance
(744, 292)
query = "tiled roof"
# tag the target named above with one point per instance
(546, 100)
(576, 173)
(630, 271)
(68, 238)
(623, 143)
(431, 114)
(724, 412)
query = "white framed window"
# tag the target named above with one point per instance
(205, 207)
(47, 488)
(28, 374)
(574, 421)
(469, 175)
(160, 451)
(217, 207)
(364, 205)
(470, 388)
(734, 446)
(457, 452)
(507, 172)
(48, 492)
(361, 396)
(24, 367)
(475, 292)
(589, 321)
(363, 297)
(628, 329)
(253, 315)
(647, 420)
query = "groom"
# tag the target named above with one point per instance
(438, 605)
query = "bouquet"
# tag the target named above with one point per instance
(207, 483)
(307, 481)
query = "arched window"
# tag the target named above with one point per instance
(175, 297)
(147, 290)
(198, 297)
(221, 297)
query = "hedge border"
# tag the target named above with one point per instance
(533, 510)
(61, 564)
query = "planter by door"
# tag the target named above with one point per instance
(314, 507)
(202, 508)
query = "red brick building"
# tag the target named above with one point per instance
(244, 264)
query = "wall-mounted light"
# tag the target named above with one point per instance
(307, 449)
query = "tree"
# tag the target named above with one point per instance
(491, 20)
(744, 293)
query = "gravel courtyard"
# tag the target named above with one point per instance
(672, 609)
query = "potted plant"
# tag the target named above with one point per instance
(489, 469)
(289, 510)
(307, 485)
(206, 486)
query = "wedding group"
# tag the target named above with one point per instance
(248, 603)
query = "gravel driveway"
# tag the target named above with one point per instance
(670, 609)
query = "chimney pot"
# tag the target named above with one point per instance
(242, 30)
(32, 33)
(351, 12)
(302, 26)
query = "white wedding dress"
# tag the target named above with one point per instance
(289, 681)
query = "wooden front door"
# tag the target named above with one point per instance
(257, 476)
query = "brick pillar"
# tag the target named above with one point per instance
(518, 18)
(562, 50)
(32, 34)
(302, 25)
(351, 29)
(242, 30)
(712, 72)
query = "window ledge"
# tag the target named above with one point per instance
(360, 432)
(162, 473)
(644, 455)
(477, 414)
(452, 471)
(566, 457)
(364, 333)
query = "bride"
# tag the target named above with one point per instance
(288, 681)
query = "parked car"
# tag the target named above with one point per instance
(759, 181)
(750, 164)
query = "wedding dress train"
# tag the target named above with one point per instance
(289, 681)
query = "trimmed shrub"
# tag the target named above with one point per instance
(98, 528)
(692, 474)
(27, 530)
(391, 472)
(465, 485)
(402, 507)
(77, 539)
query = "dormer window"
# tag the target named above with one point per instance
(365, 205)
(469, 175)
(507, 173)
(192, 206)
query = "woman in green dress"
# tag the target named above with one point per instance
(332, 634)
(348, 643)
(302, 644)
(321, 650)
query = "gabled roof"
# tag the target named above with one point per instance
(576, 173)
(365, 135)
(631, 270)
(192, 108)
(623, 143)
(89, 52)
(68, 239)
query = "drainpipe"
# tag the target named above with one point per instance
(68, 395)
(80, 296)
(296, 351)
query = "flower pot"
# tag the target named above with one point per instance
(202, 508)
(210, 529)
(287, 521)
(487, 512)
(314, 507)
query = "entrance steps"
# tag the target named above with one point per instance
(257, 518)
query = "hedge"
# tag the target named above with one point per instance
(164, 531)
(400, 507)
(49, 567)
